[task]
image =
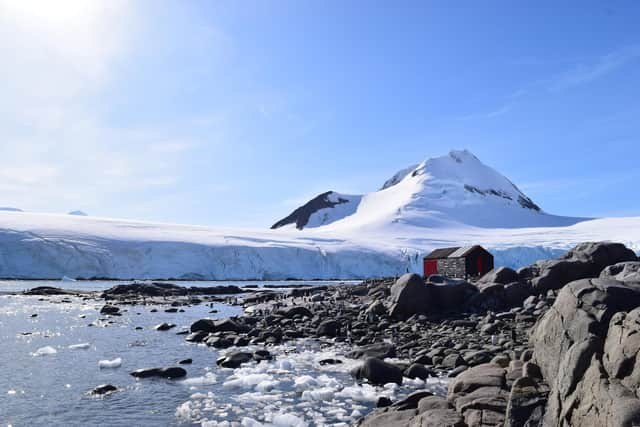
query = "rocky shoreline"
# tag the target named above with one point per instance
(550, 344)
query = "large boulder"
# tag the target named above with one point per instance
(590, 370)
(224, 325)
(453, 295)
(409, 296)
(328, 328)
(584, 261)
(378, 372)
(480, 395)
(623, 271)
(502, 275)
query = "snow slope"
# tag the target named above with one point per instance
(52, 246)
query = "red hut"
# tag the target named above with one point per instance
(458, 261)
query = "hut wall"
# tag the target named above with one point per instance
(452, 267)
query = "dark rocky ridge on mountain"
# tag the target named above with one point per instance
(300, 216)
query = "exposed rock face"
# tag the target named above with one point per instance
(623, 271)
(584, 261)
(300, 217)
(586, 348)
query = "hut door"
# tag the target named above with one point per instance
(430, 267)
(480, 266)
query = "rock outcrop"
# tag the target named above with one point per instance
(584, 261)
(586, 347)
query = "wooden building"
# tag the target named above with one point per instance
(466, 261)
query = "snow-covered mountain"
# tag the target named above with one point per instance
(443, 191)
(77, 213)
(453, 200)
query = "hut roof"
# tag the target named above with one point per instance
(441, 253)
(456, 252)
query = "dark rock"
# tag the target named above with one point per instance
(296, 311)
(170, 372)
(185, 362)
(324, 362)
(328, 328)
(164, 326)
(410, 295)
(584, 261)
(234, 360)
(453, 361)
(197, 336)
(526, 404)
(378, 372)
(383, 402)
(110, 309)
(49, 290)
(377, 308)
(103, 389)
(418, 371)
(224, 325)
(259, 355)
(501, 275)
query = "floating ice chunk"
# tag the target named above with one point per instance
(265, 386)
(363, 393)
(82, 346)
(305, 382)
(45, 351)
(250, 422)
(247, 381)
(207, 379)
(67, 279)
(319, 394)
(285, 364)
(115, 363)
(288, 420)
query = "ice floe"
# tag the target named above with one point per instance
(110, 364)
(45, 351)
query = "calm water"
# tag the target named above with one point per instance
(51, 389)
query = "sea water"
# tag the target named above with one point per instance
(55, 349)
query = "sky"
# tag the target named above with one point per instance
(234, 113)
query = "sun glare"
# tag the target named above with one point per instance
(51, 12)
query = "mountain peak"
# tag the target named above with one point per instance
(451, 190)
(460, 156)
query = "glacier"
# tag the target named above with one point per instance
(452, 200)
(50, 246)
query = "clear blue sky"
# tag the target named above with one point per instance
(233, 113)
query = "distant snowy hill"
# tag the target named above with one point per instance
(453, 200)
(442, 191)
(9, 209)
(77, 213)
